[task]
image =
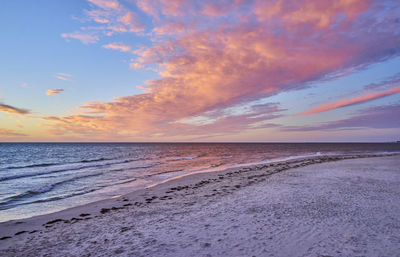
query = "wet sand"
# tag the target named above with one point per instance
(321, 206)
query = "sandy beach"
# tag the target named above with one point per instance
(320, 206)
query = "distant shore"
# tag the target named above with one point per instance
(324, 205)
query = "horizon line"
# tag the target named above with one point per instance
(200, 142)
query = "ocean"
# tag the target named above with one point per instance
(40, 178)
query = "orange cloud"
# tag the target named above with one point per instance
(13, 110)
(352, 101)
(54, 91)
(120, 123)
(10, 133)
(63, 76)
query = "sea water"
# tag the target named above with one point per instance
(40, 178)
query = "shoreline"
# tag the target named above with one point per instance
(43, 207)
(215, 184)
(259, 165)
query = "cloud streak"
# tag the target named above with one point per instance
(381, 117)
(86, 38)
(13, 110)
(63, 76)
(10, 133)
(54, 91)
(118, 46)
(347, 102)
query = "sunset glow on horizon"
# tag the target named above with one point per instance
(203, 71)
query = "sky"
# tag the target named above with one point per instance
(200, 71)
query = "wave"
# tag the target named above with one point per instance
(278, 159)
(41, 190)
(31, 166)
(164, 172)
(316, 154)
(33, 174)
(54, 164)
(96, 160)
(182, 171)
(45, 172)
(138, 167)
(50, 199)
(16, 199)
(82, 192)
(299, 156)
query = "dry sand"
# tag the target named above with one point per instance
(348, 207)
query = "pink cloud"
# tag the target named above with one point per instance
(113, 17)
(170, 28)
(130, 22)
(174, 7)
(352, 101)
(144, 88)
(149, 7)
(319, 14)
(221, 8)
(86, 38)
(167, 8)
(258, 52)
(99, 16)
(118, 46)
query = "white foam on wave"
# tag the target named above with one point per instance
(236, 165)
(277, 160)
(298, 157)
(223, 167)
(169, 177)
